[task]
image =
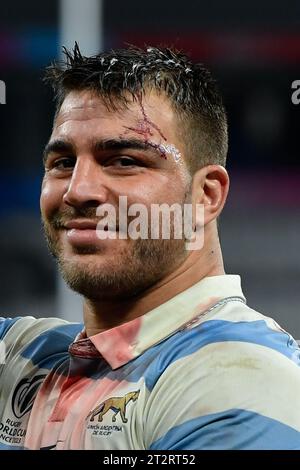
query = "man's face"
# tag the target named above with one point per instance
(94, 156)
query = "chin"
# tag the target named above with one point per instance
(106, 280)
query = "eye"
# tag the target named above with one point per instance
(63, 163)
(123, 162)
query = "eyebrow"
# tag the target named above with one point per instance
(62, 146)
(57, 146)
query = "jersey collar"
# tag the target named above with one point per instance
(123, 343)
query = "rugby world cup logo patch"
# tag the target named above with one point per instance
(24, 395)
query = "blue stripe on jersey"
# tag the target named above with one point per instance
(232, 429)
(50, 347)
(6, 324)
(187, 342)
(10, 447)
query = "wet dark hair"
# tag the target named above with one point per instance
(193, 93)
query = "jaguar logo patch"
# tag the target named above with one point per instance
(115, 404)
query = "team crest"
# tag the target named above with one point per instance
(116, 405)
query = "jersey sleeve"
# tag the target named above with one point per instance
(5, 325)
(24, 340)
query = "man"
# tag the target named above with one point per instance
(170, 356)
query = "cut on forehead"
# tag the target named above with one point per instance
(148, 116)
(150, 109)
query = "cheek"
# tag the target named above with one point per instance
(168, 193)
(51, 197)
(162, 189)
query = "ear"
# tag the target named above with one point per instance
(210, 188)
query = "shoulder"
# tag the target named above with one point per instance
(235, 339)
(238, 369)
(235, 325)
(232, 329)
(28, 335)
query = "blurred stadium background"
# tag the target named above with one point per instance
(253, 48)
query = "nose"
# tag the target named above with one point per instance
(87, 185)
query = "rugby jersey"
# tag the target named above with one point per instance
(201, 371)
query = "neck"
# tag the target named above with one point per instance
(102, 315)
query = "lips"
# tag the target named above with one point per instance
(84, 232)
(81, 225)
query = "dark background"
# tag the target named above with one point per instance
(253, 48)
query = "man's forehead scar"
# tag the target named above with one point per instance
(145, 127)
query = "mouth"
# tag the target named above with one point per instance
(83, 232)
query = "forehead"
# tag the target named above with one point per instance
(86, 112)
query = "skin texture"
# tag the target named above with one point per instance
(123, 279)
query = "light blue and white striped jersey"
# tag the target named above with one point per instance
(201, 371)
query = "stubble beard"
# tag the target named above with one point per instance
(138, 266)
